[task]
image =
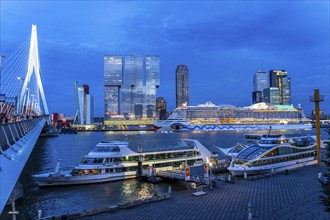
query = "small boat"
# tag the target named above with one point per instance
(115, 160)
(274, 154)
(49, 131)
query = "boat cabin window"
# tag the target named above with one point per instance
(87, 160)
(106, 149)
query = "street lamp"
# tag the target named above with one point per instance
(210, 170)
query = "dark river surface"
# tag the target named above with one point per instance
(71, 148)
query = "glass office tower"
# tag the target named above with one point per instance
(182, 85)
(278, 78)
(259, 84)
(272, 95)
(152, 83)
(130, 85)
(113, 79)
(259, 81)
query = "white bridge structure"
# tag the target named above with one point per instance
(23, 112)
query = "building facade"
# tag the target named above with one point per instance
(130, 85)
(182, 85)
(113, 80)
(279, 79)
(161, 108)
(259, 81)
(272, 95)
(84, 100)
(257, 97)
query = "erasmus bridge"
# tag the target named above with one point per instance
(23, 111)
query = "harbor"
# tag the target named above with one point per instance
(58, 201)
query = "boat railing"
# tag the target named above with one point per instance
(167, 148)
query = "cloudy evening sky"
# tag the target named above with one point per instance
(222, 42)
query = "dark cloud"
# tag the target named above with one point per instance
(223, 43)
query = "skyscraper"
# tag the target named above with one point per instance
(278, 78)
(272, 95)
(259, 84)
(132, 90)
(84, 101)
(182, 85)
(113, 79)
(152, 83)
(161, 108)
(259, 80)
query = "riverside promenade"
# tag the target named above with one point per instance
(292, 196)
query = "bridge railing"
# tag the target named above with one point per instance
(12, 133)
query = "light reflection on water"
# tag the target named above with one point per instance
(71, 149)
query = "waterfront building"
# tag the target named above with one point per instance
(84, 102)
(279, 79)
(113, 79)
(259, 80)
(161, 108)
(272, 95)
(130, 86)
(182, 85)
(152, 83)
(259, 84)
(257, 97)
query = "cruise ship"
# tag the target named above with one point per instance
(115, 160)
(209, 117)
(275, 153)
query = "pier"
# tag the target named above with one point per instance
(281, 196)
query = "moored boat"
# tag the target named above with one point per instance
(115, 160)
(274, 154)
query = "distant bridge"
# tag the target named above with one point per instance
(23, 111)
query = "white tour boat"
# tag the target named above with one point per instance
(275, 153)
(115, 160)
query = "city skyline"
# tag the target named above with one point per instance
(217, 41)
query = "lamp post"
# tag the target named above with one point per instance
(317, 98)
(210, 177)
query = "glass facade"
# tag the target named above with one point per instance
(129, 84)
(152, 83)
(182, 86)
(259, 81)
(111, 100)
(113, 79)
(272, 95)
(257, 97)
(84, 105)
(278, 78)
(286, 100)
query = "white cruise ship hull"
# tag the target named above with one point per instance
(278, 167)
(65, 178)
(172, 125)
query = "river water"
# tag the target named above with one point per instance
(71, 148)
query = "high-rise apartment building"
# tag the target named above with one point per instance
(134, 92)
(84, 101)
(182, 85)
(278, 78)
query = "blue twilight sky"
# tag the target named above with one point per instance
(222, 42)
